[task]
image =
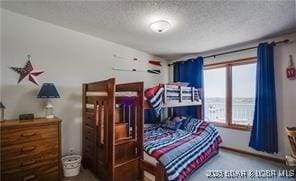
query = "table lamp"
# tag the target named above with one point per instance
(2, 107)
(48, 91)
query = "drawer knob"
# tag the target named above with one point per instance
(28, 163)
(28, 134)
(31, 148)
(29, 177)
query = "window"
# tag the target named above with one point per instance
(230, 93)
(215, 95)
(243, 94)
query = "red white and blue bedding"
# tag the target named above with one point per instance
(182, 151)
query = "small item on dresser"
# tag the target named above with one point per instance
(26, 116)
(2, 108)
(47, 91)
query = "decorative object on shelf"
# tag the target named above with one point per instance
(152, 62)
(152, 71)
(28, 70)
(291, 70)
(29, 116)
(2, 108)
(48, 91)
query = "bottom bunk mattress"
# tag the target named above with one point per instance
(182, 151)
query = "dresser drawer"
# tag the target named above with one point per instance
(48, 172)
(24, 150)
(30, 161)
(28, 134)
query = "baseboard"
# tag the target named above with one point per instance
(279, 160)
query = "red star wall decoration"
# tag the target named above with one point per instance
(29, 71)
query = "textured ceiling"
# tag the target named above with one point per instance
(197, 26)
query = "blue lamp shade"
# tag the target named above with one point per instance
(2, 106)
(48, 90)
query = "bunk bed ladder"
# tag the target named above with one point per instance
(128, 149)
(112, 135)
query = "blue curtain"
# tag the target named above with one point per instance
(189, 71)
(264, 132)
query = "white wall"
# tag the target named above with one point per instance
(69, 59)
(285, 92)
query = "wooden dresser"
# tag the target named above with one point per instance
(30, 149)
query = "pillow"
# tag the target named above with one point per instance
(173, 125)
(192, 125)
(179, 119)
(185, 122)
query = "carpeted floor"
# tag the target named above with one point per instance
(227, 162)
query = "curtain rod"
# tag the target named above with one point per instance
(234, 51)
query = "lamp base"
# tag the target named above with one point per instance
(49, 116)
(2, 115)
(49, 110)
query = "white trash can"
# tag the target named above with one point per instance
(71, 165)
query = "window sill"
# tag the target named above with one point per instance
(236, 127)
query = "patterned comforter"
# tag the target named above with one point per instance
(181, 152)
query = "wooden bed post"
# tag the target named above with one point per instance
(111, 129)
(140, 126)
(157, 170)
(199, 112)
(83, 121)
(161, 173)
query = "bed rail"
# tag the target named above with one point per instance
(178, 96)
(157, 171)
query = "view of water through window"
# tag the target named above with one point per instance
(215, 95)
(243, 94)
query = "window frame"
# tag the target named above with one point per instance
(228, 73)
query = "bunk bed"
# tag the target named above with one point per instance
(112, 143)
(115, 145)
(171, 153)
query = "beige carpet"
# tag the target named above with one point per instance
(225, 161)
(233, 161)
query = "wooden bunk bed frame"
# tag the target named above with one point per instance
(113, 130)
(158, 170)
(112, 142)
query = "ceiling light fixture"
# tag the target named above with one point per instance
(160, 26)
